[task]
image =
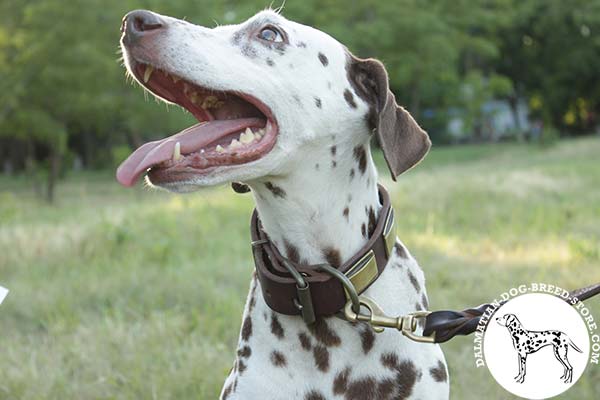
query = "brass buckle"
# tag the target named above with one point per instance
(304, 300)
(407, 324)
(389, 232)
(363, 273)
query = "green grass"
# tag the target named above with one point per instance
(138, 294)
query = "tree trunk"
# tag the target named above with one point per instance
(134, 140)
(415, 98)
(513, 102)
(31, 168)
(88, 149)
(52, 175)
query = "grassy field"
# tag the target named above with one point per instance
(130, 294)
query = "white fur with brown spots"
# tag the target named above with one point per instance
(315, 360)
(316, 194)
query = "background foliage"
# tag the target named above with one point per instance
(63, 94)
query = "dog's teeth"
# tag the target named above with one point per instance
(175, 79)
(194, 97)
(235, 144)
(148, 73)
(210, 102)
(247, 136)
(219, 149)
(245, 139)
(186, 89)
(177, 152)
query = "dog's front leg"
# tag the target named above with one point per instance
(522, 370)
(516, 378)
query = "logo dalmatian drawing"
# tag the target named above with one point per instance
(549, 336)
(528, 342)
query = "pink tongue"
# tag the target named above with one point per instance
(191, 140)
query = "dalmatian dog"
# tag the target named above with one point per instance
(527, 342)
(287, 112)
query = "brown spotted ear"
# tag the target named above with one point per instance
(402, 140)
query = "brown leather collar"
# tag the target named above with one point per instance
(307, 290)
(299, 289)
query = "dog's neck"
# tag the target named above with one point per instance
(304, 214)
(324, 208)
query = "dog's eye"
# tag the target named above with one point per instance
(270, 34)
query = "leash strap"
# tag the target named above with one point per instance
(444, 325)
(439, 326)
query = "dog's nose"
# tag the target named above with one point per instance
(139, 23)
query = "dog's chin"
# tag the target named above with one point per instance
(193, 181)
(175, 187)
(182, 184)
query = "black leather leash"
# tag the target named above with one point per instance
(440, 326)
(444, 325)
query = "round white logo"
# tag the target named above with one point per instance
(536, 346)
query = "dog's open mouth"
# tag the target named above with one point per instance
(233, 128)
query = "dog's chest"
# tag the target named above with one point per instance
(279, 357)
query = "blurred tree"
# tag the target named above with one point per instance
(63, 93)
(551, 50)
(428, 47)
(64, 84)
(476, 91)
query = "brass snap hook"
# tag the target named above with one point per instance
(376, 317)
(407, 324)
